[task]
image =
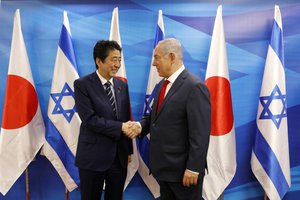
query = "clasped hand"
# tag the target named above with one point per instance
(131, 129)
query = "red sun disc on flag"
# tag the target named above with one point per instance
(221, 105)
(20, 103)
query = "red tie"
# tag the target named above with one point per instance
(162, 95)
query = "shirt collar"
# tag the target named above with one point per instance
(103, 80)
(174, 76)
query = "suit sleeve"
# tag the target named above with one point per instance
(89, 118)
(129, 141)
(199, 122)
(145, 123)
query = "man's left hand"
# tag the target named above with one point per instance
(189, 178)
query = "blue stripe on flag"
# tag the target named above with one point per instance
(158, 36)
(276, 41)
(66, 45)
(61, 148)
(144, 149)
(269, 162)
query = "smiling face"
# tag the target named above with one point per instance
(162, 61)
(111, 64)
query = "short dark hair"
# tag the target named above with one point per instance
(102, 49)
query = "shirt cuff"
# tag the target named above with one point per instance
(197, 173)
(139, 124)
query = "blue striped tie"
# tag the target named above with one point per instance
(110, 96)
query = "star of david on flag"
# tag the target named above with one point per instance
(59, 107)
(148, 101)
(270, 160)
(268, 112)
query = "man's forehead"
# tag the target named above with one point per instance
(157, 49)
(114, 53)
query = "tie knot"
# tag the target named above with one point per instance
(166, 82)
(107, 84)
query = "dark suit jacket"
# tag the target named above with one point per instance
(101, 139)
(179, 132)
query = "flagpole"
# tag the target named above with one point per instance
(27, 184)
(67, 194)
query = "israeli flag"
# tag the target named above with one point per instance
(144, 145)
(63, 122)
(270, 161)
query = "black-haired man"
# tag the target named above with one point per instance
(102, 102)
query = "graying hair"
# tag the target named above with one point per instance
(172, 45)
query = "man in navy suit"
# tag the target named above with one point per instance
(179, 126)
(102, 102)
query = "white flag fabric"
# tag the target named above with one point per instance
(144, 145)
(23, 129)
(115, 35)
(221, 157)
(63, 121)
(270, 161)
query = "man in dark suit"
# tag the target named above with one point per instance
(102, 102)
(179, 126)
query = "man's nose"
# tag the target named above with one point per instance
(118, 64)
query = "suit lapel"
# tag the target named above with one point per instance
(97, 84)
(176, 85)
(118, 94)
(100, 91)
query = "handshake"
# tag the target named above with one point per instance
(131, 129)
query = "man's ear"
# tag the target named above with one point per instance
(172, 56)
(98, 62)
